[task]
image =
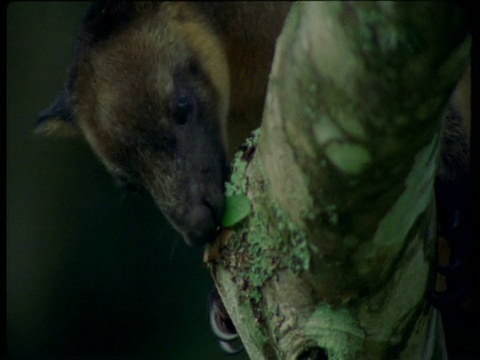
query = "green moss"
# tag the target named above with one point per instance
(274, 243)
(332, 213)
(238, 182)
(347, 157)
(267, 241)
(348, 119)
(252, 141)
(336, 330)
(309, 111)
(326, 130)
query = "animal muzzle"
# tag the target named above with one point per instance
(196, 212)
(203, 219)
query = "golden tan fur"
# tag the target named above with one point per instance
(132, 62)
(139, 66)
(143, 58)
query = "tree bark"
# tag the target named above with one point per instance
(337, 253)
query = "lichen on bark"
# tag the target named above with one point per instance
(335, 256)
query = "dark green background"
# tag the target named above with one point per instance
(92, 272)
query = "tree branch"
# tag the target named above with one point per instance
(336, 255)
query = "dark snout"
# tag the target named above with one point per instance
(203, 219)
(208, 171)
(196, 187)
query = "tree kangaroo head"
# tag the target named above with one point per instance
(149, 91)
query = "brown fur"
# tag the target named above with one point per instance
(453, 191)
(132, 62)
(455, 155)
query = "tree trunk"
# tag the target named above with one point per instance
(336, 255)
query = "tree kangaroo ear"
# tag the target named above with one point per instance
(57, 120)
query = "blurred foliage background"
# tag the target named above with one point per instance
(92, 272)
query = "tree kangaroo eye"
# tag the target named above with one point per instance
(185, 108)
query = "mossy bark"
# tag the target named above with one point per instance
(335, 259)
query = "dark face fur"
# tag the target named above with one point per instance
(150, 99)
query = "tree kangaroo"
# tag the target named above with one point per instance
(161, 90)
(164, 92)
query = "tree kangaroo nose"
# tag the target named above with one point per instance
(215, 202)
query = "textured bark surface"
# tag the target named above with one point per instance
(336, 255)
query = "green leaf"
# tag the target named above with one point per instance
(237, 208)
